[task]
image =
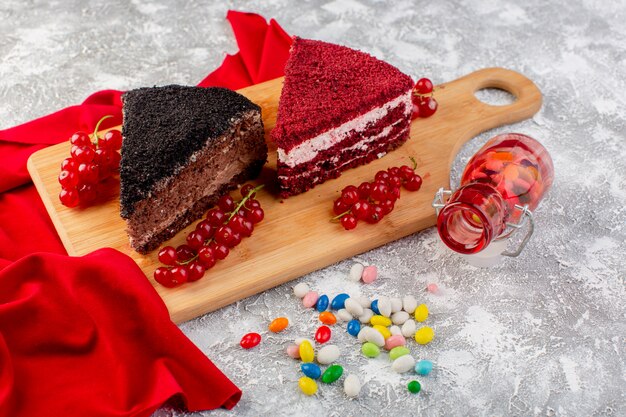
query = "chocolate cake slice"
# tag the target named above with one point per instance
(339, 108)
(183, 147)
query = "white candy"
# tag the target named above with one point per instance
(409, 304)
(408, 328)
(374, 336)
(354, 307)
(399, 317)
(366, 316)
(403, 364)
(352, 385)
(364, 301)
(328, 354)
(344, 315)
(301, 289)
(396, 305)
(394, 330)
(355, 272)
(361, 335)
(299, 340)
(384, 306)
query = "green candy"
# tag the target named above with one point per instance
(398, 351)
(370, 350)
(332, 373)
(414, 387)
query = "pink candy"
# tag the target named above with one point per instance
(432, 288)
(370, 273)
(293, 351)
(394, 341)
(310, 299)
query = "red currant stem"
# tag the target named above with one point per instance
(414, 162)
(188, 261)
(339, 216)
(243, 201)
(95, 131)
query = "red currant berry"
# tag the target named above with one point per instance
(69, 198)
(163, 276)
(427, 106)
(339, 206)
(255, 215)
(394, 193)
(196, 271)
(379, 191)
(247, 228)
(349, 195)
(247, 189)
(195, 240)
(205, 229)
(364, 190)
(206, 255)
(68, 179)
(394, 171)
(394, 181)
(216, 217)
(221, 251)
(80, 139)
(114, 163)
(223, 235)
(415, 111)
(103, 157)
(381, 176)
(348, 222)
(234, 240)
(361, 210)
(423, 86)
(111, 140)
(167, 255)
(386, 206)
(376, 214)
(251, 203)
(180, 274)
(88, 173)
(184, 253)
(226, 203)
(406, 172)
(414, 183)
(236, 223)
(87, 193)
(69, 164)
(82, 153)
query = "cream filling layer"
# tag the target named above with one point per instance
(361, 145)
(308, 150)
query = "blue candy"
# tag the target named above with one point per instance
(423, 367)
(322, 303)
(339, 301)
(354, 327)
(311, 370)
(374, 307)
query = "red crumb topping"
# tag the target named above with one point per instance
(327, 85)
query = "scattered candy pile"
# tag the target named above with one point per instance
(371, 201)
(382, 323)
(92, 160)
(223, 229)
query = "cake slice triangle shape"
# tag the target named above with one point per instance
(339, 108)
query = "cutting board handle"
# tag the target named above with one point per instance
(481, 116)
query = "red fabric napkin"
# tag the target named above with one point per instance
(90, 336)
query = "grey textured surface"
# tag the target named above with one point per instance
(540, 335)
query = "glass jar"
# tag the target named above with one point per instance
(500, 187)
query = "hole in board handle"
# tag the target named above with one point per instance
(494, 96)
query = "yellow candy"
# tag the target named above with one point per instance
(307, 354)
(421, 313)
(424, 335)
(307, 385)
(381, 320)
(382, 330)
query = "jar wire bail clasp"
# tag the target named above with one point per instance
(442, 195)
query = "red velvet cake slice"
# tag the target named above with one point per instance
(339, 108)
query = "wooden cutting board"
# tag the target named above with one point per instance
(296, 236)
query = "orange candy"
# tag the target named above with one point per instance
(278, 325)
(328, 318)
